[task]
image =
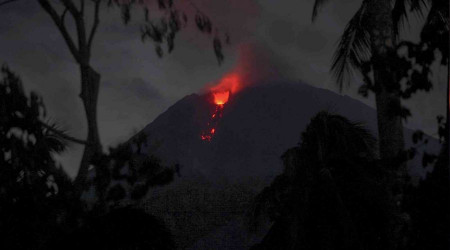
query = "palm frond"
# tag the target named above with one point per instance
(338, 136)
(317, 5)
(400, 12)
(340, 140)
(438, 14)
(353, 48)
(55, 137)
(399, 15)
(434, 34)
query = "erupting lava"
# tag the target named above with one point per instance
(214, 120)
(221, 93)
(220, 98)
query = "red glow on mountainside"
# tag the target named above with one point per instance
(208, 134)
(255, 64)
(221, 93)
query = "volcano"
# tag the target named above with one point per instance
(257, 125)
(219, 176)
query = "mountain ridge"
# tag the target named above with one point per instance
(254, 120)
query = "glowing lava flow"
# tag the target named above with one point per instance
(220, 93)
(220, 99)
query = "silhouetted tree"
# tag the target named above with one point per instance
(160, 31)
(430, 206)
(331, 194)
(415, 60)
(127, 172)
(370, 45)
(35, 193)
(39, 206)
(429, 202)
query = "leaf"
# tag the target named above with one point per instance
(227, 38)
(125, 12)
(116, 193)
(161, 4)
(428, 159)
(317, 5)
(354, 47)
(146, 14)
(170, 41)
(405, 113)
(364, 90)
(417, 136)
(218, 50)
(174, 21)
(203, 23)
(159, 51)
(400, 12)
(411, 153)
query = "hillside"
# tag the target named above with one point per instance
(220, 177)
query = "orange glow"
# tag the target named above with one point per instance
(208, 134)
(228, 85)
(220, 98)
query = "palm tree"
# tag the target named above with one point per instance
(369, 44)
(331, 193)
(371, 35)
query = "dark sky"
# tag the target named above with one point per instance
(137, 86)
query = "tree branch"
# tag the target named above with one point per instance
(95, 25)
(81, 31)
(59, 23)
(82, 7)
(63, 135)
(72, 8)
(63, 16)
(7, 1)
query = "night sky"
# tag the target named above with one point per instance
(137, 86)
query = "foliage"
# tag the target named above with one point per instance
(164, 29)
(429, 202)
(412, 62)
(39, 208)
(411, 70)
(331, 193)
(160, 30)
(128, 172)
(34, 190)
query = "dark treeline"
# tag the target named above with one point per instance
(39, 205)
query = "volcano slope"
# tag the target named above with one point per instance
(218, 178)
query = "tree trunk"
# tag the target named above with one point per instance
(390, 133)
(390, 129)
(388, 103)
(90, 83)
